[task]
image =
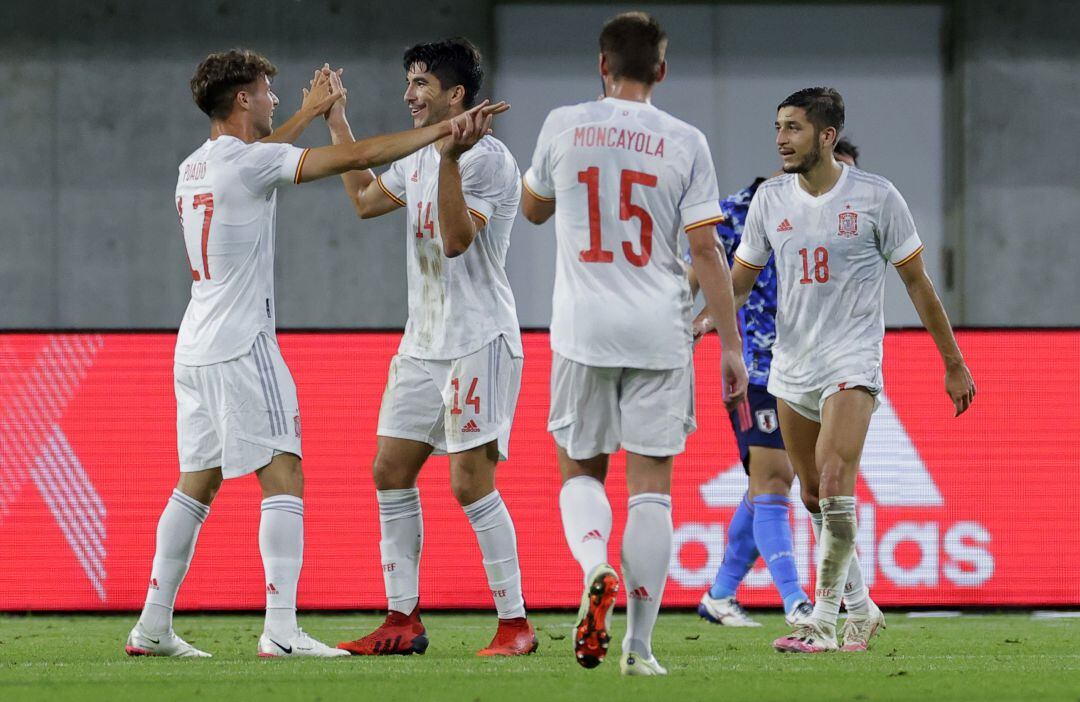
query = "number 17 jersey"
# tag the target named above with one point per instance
(625, 176)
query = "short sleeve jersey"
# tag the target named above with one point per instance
(831, 254)
(226, 197)
(625, 177)
(457, 305)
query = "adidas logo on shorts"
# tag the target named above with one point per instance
(470, 427)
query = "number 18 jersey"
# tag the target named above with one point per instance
(831, 255)
(625, 176)
(226, 196)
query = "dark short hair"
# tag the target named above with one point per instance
(824, 107)
(634, 44)
(221, 76)
(844, 147)
(453, 61)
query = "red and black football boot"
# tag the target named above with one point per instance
(514, 637)
(399, 635)
(591, 636)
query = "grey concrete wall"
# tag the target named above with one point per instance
(96, 114)
(1021, 207)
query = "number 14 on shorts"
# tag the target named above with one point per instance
(471, 398)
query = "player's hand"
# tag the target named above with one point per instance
(319, 96)
(337, 110)
(960, 386)
(703, 324)
(465, 130)
(733, 372)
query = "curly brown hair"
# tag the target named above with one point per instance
(220, 76)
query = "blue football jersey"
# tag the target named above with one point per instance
(757, 319)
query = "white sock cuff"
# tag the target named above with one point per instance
(190, 504)
(842, 503)
(816, 518)
(398, 504)
(284, 503)
(646, 498)
(483, 510)
(585, 481)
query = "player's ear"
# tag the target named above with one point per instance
(602, 65)
(661, 72)
(457, 95)
(243, 99)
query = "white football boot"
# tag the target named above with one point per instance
(858, 630)
(800, 614)
(725, 611)
(168, 644)
(299, 644)
(636, 664)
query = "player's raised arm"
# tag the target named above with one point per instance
(318, 98)
(958, 381)
(458, 224)
(378, 150)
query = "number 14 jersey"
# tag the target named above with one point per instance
(625, 176)
(831, 255)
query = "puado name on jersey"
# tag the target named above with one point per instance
(194, 171)
(617, 138)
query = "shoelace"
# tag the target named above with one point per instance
(858, 629)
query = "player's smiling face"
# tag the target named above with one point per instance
(262, 101)
(428, 103)
(797, 140)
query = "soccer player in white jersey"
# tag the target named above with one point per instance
(622, 178)
(236, 402)
(453, 385)
(833, 230)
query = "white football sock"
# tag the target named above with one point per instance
(402, 525)
(856, 594)
(281, 543)
(646, 556)
(498, 543)
(177, 531)
(834, 556)
(586, 518)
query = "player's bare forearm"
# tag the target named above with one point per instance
(959, 384)
(293, 127)
(456, 225)
(535, 209)
(366, 153)
(715, 279)
(742, 282)
(359, 185)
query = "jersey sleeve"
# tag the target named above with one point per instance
(484, 180)
(264, 167)
(897, 237)
(700, 204)
(754, 247)
(392, 182)
(539, 180)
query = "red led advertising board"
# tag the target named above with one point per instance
(975, 510)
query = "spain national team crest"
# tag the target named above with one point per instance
(849, 224)
(766, 420)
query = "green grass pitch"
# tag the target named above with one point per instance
(974, 657)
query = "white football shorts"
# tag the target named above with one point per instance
(453, 405)
(236, 414)
(810, 404)
(594, 409)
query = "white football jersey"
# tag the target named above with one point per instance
(226, 196)
(624, 176)
(457, 305)
(831, 255)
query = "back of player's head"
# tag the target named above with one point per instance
(634, 44)
(824, 107)
(220, 76)
(844, 147)
(453, 61)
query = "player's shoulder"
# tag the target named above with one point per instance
(491, 154)
(567, 117)
(775, 187)
(869, 181)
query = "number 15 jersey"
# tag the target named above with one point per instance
(831, 255)
(625, 176)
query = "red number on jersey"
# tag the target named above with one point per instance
(205, 201)
(821, 265)
(424, 221)
(596, 253)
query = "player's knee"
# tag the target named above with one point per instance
(810, 500)
(387, 473)
(468, 486)
(202, 486)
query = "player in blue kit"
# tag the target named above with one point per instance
(761, 524)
